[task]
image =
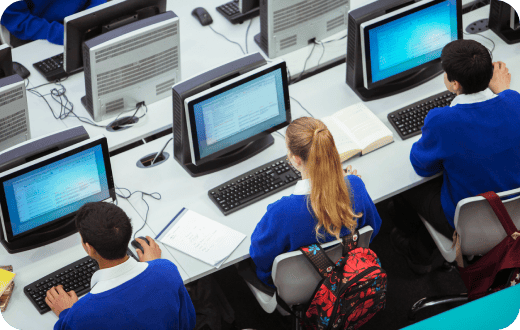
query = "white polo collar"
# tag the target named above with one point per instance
(482, 96)
(303, 187)
(109, 278)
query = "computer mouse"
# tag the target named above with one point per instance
(202, 15)
(137, 245)
(21, 70)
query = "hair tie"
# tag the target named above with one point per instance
(318, 130)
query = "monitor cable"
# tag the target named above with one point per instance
(305, 64)
(160, 152)
(302, 106)
(283, 136)
(154, 195)
(480, 35)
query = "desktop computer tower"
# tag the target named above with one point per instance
(503, 20)
(14, 116)
(288, 25)
(135, 63)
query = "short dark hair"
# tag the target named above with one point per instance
(469, 63)
(105, 227)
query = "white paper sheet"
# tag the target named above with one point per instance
(202, 238)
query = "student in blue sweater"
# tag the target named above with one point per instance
(125, 294)
(326, 204)
(42, 19)
(474, 142)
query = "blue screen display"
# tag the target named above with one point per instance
(410, 41)
(240, 113)
(55, 190)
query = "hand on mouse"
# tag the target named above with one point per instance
(151, 252)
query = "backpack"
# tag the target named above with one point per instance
(352, 290)
(500, 267)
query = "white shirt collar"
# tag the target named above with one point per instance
(303, 187)
(482, 96)
(109, 278)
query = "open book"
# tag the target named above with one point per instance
(356, 130)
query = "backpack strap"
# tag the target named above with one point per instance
(350, 242)
(502, 214)
(319, 259)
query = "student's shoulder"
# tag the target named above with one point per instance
(510, 94)
(164, 268)
(285, 204)
(356, 184)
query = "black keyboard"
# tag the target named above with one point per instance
(232, 13)
(254, 185)
(409, 120)
(52, 68)
(75, 276)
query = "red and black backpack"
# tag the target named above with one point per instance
(352, 290)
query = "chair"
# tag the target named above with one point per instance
(296, 279)
(479, 230)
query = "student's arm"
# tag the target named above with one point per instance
(426, 154)
(268, 241)
(22, 24)
(186, 310)
(365, 205)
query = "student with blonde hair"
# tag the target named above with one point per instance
(325, 205)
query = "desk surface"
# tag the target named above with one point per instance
(385, 172)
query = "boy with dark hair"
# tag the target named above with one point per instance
(42, 19)
(125, 294)
(474, 142)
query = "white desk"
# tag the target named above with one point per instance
(385, 172)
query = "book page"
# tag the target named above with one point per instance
(346, 146)
(202, 238)
(363, 124)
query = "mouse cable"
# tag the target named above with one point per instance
(234, 42)
(153, 195)
(305, 65)
(247, 33)
(480, 35)
(302, 106)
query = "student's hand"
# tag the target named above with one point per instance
(348, 171)
(501, 78)
(151, 252)
(60, 300)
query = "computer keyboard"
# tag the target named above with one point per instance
(75, 276)
(232, 13)
(409, 120)
(52, 68)
(254, 185)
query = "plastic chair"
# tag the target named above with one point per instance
(479, 230)
(296, 279)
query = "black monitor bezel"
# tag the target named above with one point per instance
(6, 61)
(6, 222)
(193, 130)
(77, 27)
(411, 71)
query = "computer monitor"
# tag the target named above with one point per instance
(6, 61)
(226, 115)
(95, 21)
(131, 65)
(289, 25)
(503, 20)
(394, 45)
(40, 198)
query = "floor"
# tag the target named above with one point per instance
(404, 289)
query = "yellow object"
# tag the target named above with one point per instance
(6, 278)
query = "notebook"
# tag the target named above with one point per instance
(6, 278)
(200, 237)
(356, 130)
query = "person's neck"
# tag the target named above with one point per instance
(104, 263)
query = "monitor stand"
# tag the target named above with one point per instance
(231, 158)
(401, 85)
(35, 240)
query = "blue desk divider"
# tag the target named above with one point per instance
(496, 311)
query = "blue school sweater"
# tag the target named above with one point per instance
(155, 299)
(288, 225)
(42, 19)
(476, 145)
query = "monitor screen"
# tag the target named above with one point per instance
(223, 118)
(35, 196)
(407, 39)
